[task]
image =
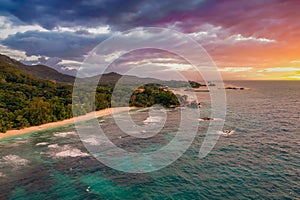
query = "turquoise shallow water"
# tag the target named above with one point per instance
(260, 161)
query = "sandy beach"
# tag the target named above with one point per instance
(88, 116)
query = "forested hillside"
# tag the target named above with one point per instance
(26, 100)
(39, 71)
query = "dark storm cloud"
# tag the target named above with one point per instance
(54, 44)
(119, 14)
(246, 17)
(78, 14)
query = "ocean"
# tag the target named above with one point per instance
(261, 160)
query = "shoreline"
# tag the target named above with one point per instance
(96, 114)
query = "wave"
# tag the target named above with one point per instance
(14, 160)
(153, 120)
(65, 151)
(64, 134)
(91, 141)
(20, 141)
(42, 144)
(71, 153)
(2, 175)
(53, 146)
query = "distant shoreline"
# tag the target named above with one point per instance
(100, 113)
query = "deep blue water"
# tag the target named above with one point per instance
(261, 160)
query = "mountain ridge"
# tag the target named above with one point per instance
(40, 71)
(47, 73)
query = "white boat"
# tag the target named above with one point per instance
(211, 84)
(226, 132)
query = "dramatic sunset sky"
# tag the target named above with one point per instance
(251, 40)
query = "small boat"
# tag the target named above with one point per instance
(211, 84)
(210, 119)
(88, 189)
(206, 119)
(226, 132)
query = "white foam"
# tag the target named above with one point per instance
(71, 153)
(64, 134)
(65, 151)
(153, 120)
(22, 141)
(2, 175)
(53, 146)
(14, 160)
(91, 141)
(226, 132)
(218, 119)
(42, 144)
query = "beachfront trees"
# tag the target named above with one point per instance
(151, 94)
(39, 112)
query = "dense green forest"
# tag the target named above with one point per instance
(28, 101)
(151, 94)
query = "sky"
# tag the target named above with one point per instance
(246, 40)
